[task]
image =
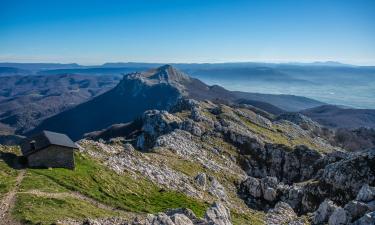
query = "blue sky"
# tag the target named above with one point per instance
(91, 32)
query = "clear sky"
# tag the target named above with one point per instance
(90, 32)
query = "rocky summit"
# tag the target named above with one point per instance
(185, 160)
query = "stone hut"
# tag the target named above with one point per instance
(49, 150)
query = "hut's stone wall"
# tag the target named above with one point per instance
(52, 156)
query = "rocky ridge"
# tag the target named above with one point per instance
(262, 160)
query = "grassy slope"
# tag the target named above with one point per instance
(96, 181)
(7, 174)
(31, 209)
(125, 192)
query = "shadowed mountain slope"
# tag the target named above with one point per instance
(289, 103)
(25, 101)
(337, 117)
(136, 93)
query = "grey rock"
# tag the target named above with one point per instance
(349, 175)
(159, 219)
(324, 212)
(269, 194)
(294, 197)
(181, 219)
(201, 180)
(287, 165)
(184, 104)
(368, 219)
(192, 127)
(303, 121)
(339, 217)
(179, 141)
(128, 147)
(155, 124)
(269, 187)
(252, 186)
(366, 193)
(356, 209)
(281, 214)
(216, 189)
(218, 214)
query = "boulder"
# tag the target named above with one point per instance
(192, 127)
(218, 214)
(368, 219)
(181, 219)
(356, 209)
(366, 193)
(269, 187)
(294, 197)
(201, 180)
(252, 186)
(281, 214)
(216, 189)
(269, 194)
(339, 217)
(349, 175)
(324, 212)
(159, 219)
(155, 124)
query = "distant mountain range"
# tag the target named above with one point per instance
(338, 117)
(182, 66)
(27, 100)
(49, 96)
(330, 82)
(40, 66)
(154, 89)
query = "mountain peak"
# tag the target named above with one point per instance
(163, 74)
(167, 74)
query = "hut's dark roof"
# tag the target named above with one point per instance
(45, 139)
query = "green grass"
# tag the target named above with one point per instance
(8, 175)
(121, 191)
(277, 137)
(30, 209)
(35, 181)
(245, 219)
(184, 114)
(268, 134)
(7, 178)
(188, 167)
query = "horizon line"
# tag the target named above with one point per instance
(322, 62)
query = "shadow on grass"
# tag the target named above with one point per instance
(12, 160)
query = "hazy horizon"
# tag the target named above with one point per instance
(321, 62)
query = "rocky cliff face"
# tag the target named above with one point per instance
(233, 155)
